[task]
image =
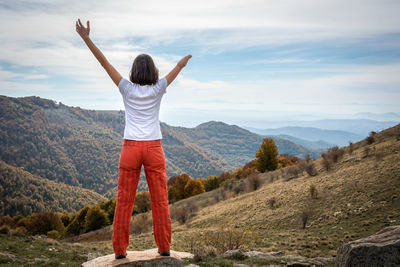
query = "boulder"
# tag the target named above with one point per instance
(235, 254)
(146, 258)
(380, 249)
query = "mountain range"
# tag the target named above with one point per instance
(80, 148)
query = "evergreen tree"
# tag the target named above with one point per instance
(267, 156)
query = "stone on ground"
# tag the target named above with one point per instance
(146, 258)
(380, 249)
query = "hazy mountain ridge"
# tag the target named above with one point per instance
(311, 134)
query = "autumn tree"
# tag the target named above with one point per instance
(194, 187)
(267, 156)
(210, 183)
(178, 183)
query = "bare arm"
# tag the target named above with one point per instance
(84, 33)
(175, 71)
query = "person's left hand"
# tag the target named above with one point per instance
(83, 32)
(182, 63)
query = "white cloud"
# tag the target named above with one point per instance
(40, 37)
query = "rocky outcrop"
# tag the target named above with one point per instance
(146, 258)
(279, 256)
(380, 249)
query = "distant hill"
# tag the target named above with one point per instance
(316, 135)
(237, 145)
(306, 143)
(361, 126)
(24, 193)
(81, 147)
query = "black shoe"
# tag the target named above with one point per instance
(120, 256)
(164, 253)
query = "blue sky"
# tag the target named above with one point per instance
(253, 61)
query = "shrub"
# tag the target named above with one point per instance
(313, 191)
(5, 229)
(142, 202)
(224, 177)
(24, 222)
(272, 202)
(351, 147)
(191, 207)
(95, 219)
(19, 231)
(43, 222)
(7, 220)
(54, 234)
(254, 182)
(239, 187)
(201, 253)
(267, 156)
(305, 215)
(371, 138)
(224, 239)
(65, 219)
(179, 214)
(301, 166)
(111, 210)
(291, 173)
(335, 153)
(310, 169)
(18, 217)
(141, 223)
(77, 224)
(326, 162)
(219, 195)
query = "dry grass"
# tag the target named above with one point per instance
(356, 198)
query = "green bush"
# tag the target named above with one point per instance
(54, 234)
(95, 219)
(43, 222)
(5, 229)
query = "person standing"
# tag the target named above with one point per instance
(142, 145)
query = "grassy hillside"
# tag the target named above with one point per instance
(358, 196)
(24, 193)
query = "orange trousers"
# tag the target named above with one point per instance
(134, 154)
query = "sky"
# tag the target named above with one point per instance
(253, 61)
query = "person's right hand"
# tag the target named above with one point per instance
(182, 63)
(83, 32)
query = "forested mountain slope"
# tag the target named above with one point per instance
(81, 147)
(24, 193)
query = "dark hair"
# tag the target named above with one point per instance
(144, 70)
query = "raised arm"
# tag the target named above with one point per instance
(84, 33)
(175, 71)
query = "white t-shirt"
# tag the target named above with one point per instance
(142, 106)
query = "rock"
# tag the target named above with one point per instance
(146, 258)
(236, 254)
(240, 265)
(380, 249)
(297, 264)
(94, 255)
(258, 254)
